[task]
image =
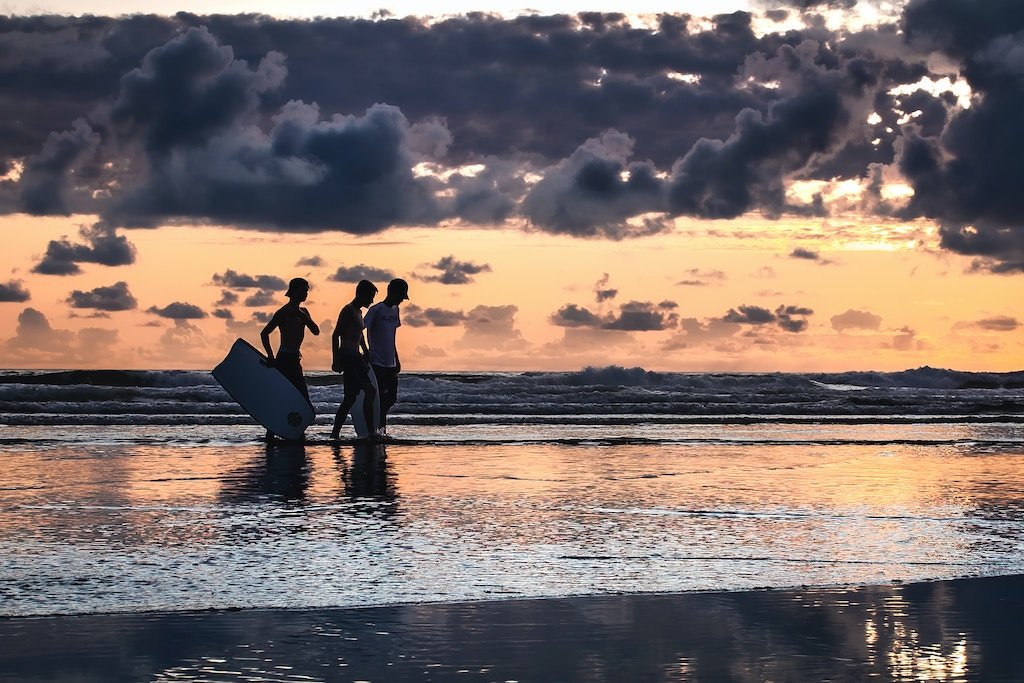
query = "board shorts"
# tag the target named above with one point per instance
(289, 364)
(354, 369)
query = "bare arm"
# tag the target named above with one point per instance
(265, 337)
(313, 327)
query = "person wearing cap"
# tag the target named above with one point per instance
(292, 320)
(382, 322)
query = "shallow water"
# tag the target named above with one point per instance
(106, 526)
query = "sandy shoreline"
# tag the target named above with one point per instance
(967, 629)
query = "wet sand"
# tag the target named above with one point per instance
(960, 630)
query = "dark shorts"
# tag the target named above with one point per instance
(387, 380)
(354, 369)
(290, 365)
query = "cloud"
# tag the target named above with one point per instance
(998, 323)
(906, 340)
(968, 176)
(438, 317)
(856, 320)
(361, 272)
(223, 314)
(34, 332)
(227, 298)
(595, 190)
(311, 261)
(697, 277)
(13, 291)
(262, 297)
(634, 316)
(491, 328)
(693, 332)
(178, 311)
(454, 272)
(46, 178)
(787, 317)
(102, 246)
(116, 297)
(235, 280)
(801, 253)
(602, 292)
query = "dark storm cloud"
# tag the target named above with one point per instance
(13, 291)
(856, 320)
(261, 297)
(438, 317)
(45, 181)
(116, 297)
(361, 272)
(102, 245)
(178, 311)
(235, 280)
(595, 190)
(968, 177)
(787, 317)
(455, 272)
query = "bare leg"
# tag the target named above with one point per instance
(339, 418)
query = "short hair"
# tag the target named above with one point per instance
(296, 284)
(366, 286)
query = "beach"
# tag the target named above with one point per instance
(750, 528)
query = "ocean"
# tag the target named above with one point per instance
(141, 491)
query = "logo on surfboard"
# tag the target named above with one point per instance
(294, 419)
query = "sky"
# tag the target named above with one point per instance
(752, 186)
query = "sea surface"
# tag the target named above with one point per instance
(130, 491)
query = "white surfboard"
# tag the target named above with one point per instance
(358, 419)
(264, 392)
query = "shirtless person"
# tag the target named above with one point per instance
(292, 320)
(351, 356)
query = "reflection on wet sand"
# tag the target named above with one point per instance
(953, 631)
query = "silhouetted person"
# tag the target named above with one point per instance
(382, 322)
(292, 320)
(351, 357)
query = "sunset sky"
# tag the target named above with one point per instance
(749, 186)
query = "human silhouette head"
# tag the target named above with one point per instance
(298, 289)
(365, 291)
(398, 290)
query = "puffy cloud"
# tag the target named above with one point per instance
(634, 316)
(693, 332)
(13, 291)
(235, 280)
(807, 254)
(968, 177)
(102, 246)
(178, 311)
(595, 190)
(311, 261)
(856, 320)
(361, 272)
(46, 179)
(223, 314)
(227, 298)
(492, 328)
(438, 317)
(116, 297)
(787, 317)
(262, 297)
(34, 332)
(454, 272)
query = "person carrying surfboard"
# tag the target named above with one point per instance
(292, 320)
(351, 356)
(382, 322)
